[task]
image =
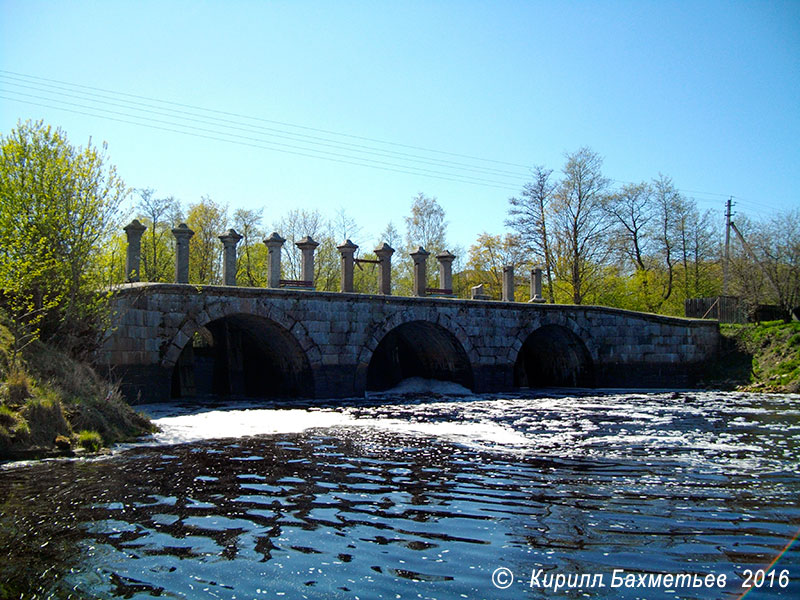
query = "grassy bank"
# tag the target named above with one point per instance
(51, 404)
(769, 353)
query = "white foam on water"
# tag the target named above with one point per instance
(220, 424)
(617, 425)
(244, 423)
(419, 385)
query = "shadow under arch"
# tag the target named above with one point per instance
(553, 356)
(418, 349)
(242, 355)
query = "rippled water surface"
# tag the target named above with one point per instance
(417, 498)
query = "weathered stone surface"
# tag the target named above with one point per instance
(339, 333)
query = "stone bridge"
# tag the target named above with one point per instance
(172, 340)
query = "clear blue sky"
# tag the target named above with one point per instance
(707, 93)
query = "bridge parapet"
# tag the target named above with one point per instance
(307, 247)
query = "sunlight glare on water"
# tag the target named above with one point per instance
(418, 495)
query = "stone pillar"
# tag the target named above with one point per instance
(536, 285)
(347, 250)
(446, 270)
(229, 266)
(508, 283)
(307, 247)
(274, 243)
(182, 235)
(419, 256)
(133, 231)
(384, 253)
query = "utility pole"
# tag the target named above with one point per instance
(727, 258)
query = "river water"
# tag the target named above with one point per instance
(422, 496)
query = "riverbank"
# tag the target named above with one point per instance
(53, 405)
(759, 357)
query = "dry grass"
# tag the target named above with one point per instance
(48, 395)
(46, 421)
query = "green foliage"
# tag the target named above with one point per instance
(252, 254)
(46, 418)
(8, 418)
(59, 205)
(111, 417)
(487, 257)
(765, 264)
(14, 429)
(17, 386)
(111, 261)
(366, 276)
(159, 216)
(775, 347)
(62, 395)
(90, 440)
(208, 220)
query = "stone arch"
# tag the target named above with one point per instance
(195, 321)
(522, 333)
(427, 344)
(251, 354)
(552, 354)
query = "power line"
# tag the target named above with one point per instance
(263, 145)
(270, 131)
(217, 125)
(309, 146)
(17, 76)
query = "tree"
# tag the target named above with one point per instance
(294, 226)
(252, 253)
(766, 260)
(160, 216)
(366, 277)
(580, 225)
(529, 217)
(699, 250)
(672, 208)
(390, 235)
(631, 210)
(425, 226)
(344, 227)
(487, 257)
(59, 205)
(208, 220)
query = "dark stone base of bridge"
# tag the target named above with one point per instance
(646, 375)
(172, 340)
(140, 384)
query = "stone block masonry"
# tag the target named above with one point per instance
(333, 345)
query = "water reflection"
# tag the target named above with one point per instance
(418, 500)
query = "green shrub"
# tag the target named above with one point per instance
(46, 419)
(91, 440)
(8, 417)
(18, 386)
(115, 420)
(14, 429)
